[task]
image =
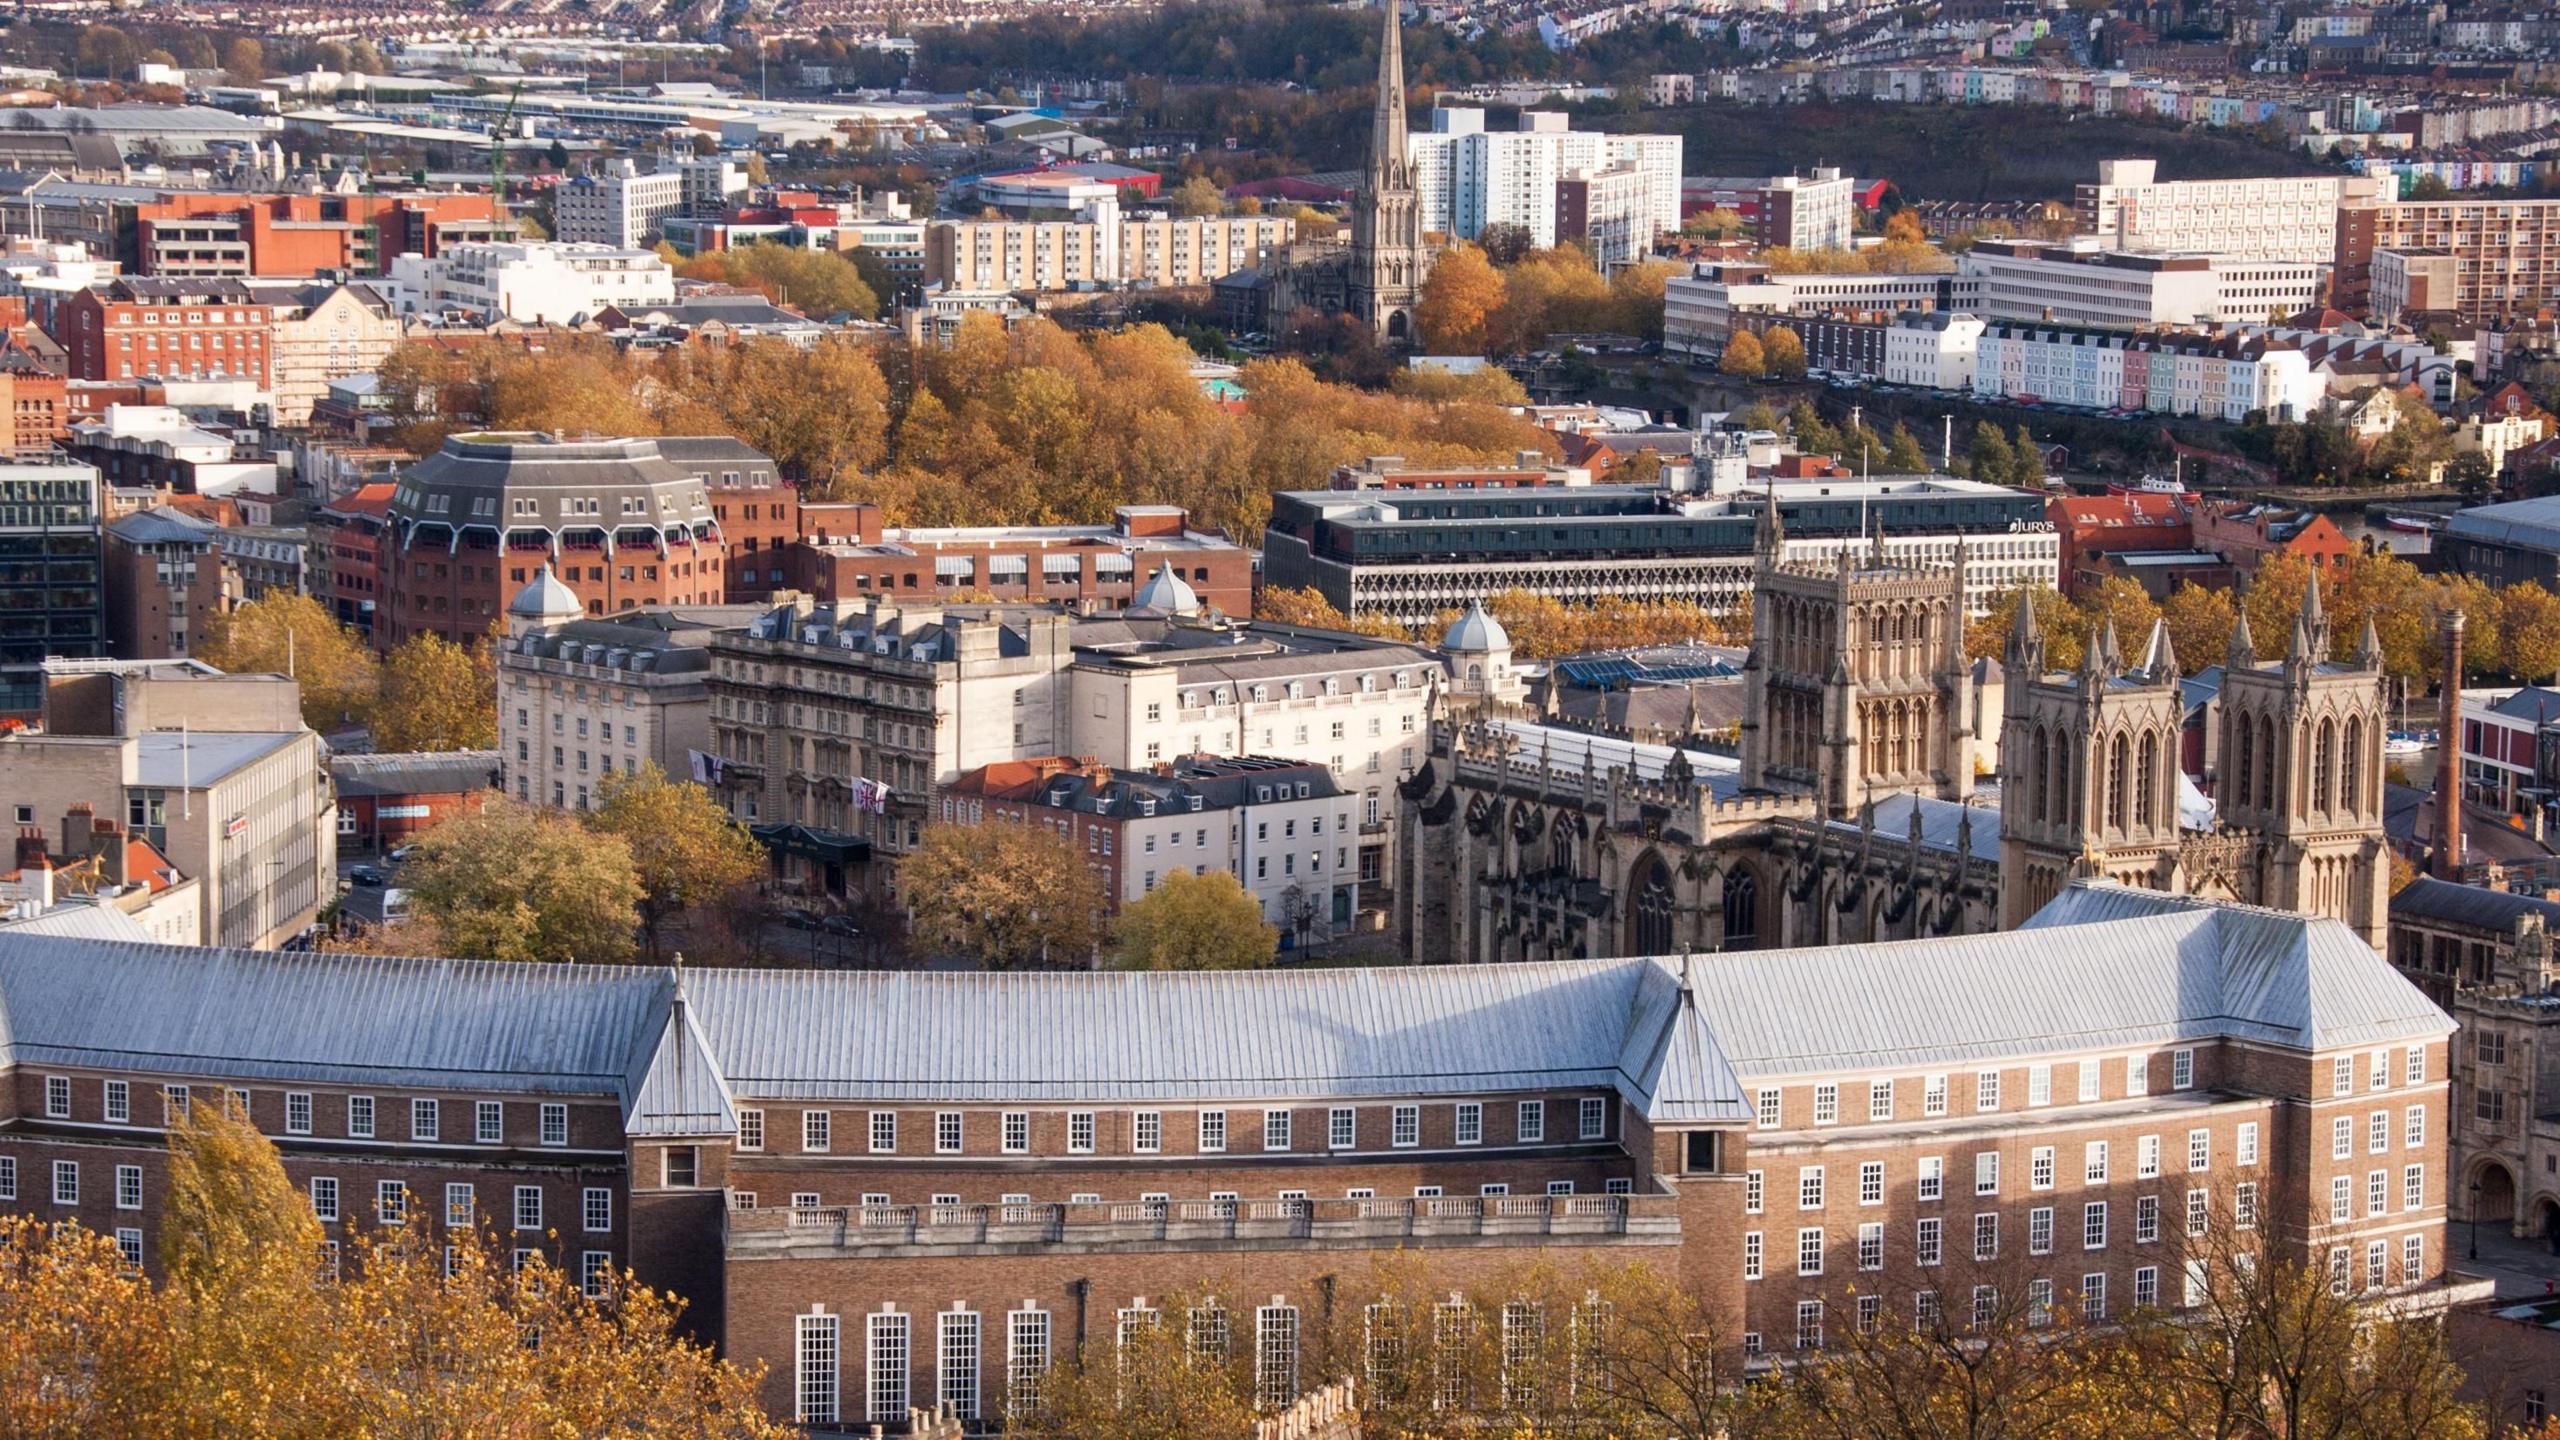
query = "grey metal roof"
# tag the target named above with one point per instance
(1577, 750)
(161, 525)
(1675, 1036)
(81, 921)
(1942, 823)
(2527, 524)
(278, 1015)
(197, 758)
(2428, 898)
(2533, 703)
(449, 772)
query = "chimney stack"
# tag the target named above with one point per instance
(75, 829)
(2449, 756)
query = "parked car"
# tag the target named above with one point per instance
(839, 925)
(401, 855)
(368, 875)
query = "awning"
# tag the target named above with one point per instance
(831, 847)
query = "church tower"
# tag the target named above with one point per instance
(1857, 685)
(2089, 767)
(2091, 763)
(1388, 260)
(2302, 767)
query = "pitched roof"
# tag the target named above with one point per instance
(1676, 1036)
(2476, 905)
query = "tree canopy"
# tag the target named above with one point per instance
(435, 695)
(1010, 896)
(684, 848)
(295, 635)
(1194, 922)
(513, 882)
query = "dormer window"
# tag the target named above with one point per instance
(1195, 802)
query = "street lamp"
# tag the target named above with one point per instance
(2475, 1219)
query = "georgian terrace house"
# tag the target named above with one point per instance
(897, 1188)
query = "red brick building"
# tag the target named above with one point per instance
(348, 539)
(2246, 534)
(848, 1185)
(164, 581)
(757, 510)
(139, 328)
(615, 519)
(385, 801)
(2093, 525)
(215, 233)
(846, 553)
(34, 400)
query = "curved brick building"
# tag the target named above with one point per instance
(616, 519)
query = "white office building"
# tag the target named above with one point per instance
(2081, 282)
(1698, 308)
(534, 282)
(622, 207)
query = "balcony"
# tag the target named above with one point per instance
(877, 1230)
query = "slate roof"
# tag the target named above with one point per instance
(2528, 524)
(2427, 898)
(450, 772)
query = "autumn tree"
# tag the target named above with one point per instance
(2065, 626)
(1198, 195)
(2529, 624)
(1743, 357)
(435, 695)
(814, 282)
(1783, 350)
(822, 414)
(1458, 302)
(245, 60)
(1284, 605)
(1009, 896)
(2201, 620)
(684, 848)
(1194, 922)
(2130, 608)
(511, 882)
(412, 1330)
(295, 636)
(1154, 1378)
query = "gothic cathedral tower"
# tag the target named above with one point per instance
(1388, 259)
(1857, 685)
(2091, 761)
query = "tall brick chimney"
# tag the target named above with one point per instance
(2449, 756)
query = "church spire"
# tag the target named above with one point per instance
(1387, 148)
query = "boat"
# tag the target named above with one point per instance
(2154, 485)
(2407, 744)
(2411, 524)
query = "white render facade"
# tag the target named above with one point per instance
(2085, 284)
(542, 282)
(1933, 352)
(2259, 218)
(2224, 377)
(1698, 308)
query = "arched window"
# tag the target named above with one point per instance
(2146, 781)
(2058, 791)
(2115, 782)
(2267, 763)
(1741, 910)
(2351, 765)
(1653, 908)
(2244, 767)
(2323, 768)
(2039, 795)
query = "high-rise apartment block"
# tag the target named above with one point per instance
(1468, 178)
(2258, 218)
(2483, 259)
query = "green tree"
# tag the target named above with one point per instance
(1903, 455)
(1009, 896)
(510, 882)
(435, 695)
(684, 848)
(294, 635)
(1813, 435)
(1194, 922)
(2026, 461)
(1991, 459)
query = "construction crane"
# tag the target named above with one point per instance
(498, 161)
